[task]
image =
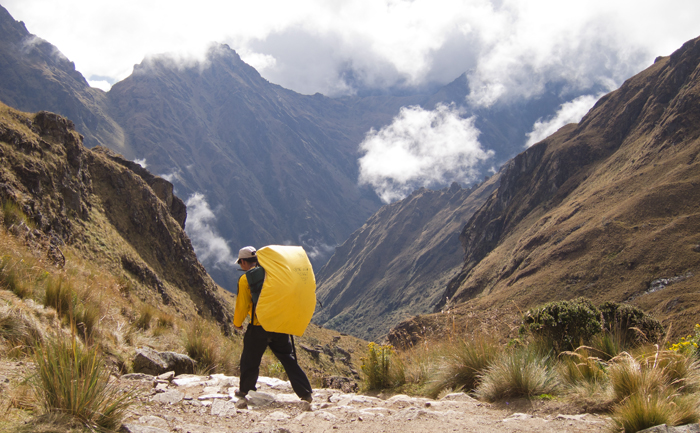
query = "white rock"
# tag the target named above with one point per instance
(153, 421)
(287, 398)
(277, 416)
(257, 398)
(571, 417)
(211, 390)
(186, 380)
(322, 414)
(214, 396)
(168, 397)
(518, 417)
(223, 408)
(272, 381)
(335, 398)
(458, 396)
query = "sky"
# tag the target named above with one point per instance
(509, 49)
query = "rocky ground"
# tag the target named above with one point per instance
(198, 404)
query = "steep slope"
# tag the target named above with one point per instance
(35, 76)
(395, 265)
(90, 202)
(606, 209)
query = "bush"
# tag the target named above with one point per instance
(633, 324)
(518, 373)
(566, 323)
(72, 382)
(380, 367)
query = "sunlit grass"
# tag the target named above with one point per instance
(72, 381)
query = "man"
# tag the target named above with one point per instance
(256, 339)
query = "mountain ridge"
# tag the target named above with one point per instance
(606, 209)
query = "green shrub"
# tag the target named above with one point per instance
(72, 381)
(567, 324)
(518, 373)
(634, 325)
(380, 367)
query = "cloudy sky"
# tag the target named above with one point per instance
(509, 49)
(336, 46)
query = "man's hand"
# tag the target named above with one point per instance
(238, 328)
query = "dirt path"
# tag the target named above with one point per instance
(198, 404)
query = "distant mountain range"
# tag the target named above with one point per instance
(273, 165)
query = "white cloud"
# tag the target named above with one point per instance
(142, 163)
(570, 112)
(100, 84)
(421, 148)
(509, 47)
(209, 246)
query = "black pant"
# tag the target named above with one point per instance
(255, 341)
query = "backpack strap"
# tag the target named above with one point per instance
(256, 278)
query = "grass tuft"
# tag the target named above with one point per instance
(72, 381)
(19, 332)
(463, 367)
(521, 372)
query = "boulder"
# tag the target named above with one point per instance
(155, 363)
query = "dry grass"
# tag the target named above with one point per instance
(463, 366)
(73, 382)
(521, 372)
(213, 352)
(19, 332)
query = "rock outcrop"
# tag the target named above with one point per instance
(82, 198)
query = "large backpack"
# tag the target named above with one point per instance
(283, 289)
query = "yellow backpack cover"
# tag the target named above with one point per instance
(288, 297)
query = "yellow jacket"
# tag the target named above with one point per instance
(244, 303)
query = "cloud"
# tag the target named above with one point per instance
(570, 112)
(421, 148)
(210, 247)
(509, 48)
(100, 84)
(142, 163)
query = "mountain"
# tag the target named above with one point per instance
(606, 209)
(398, 262)
(109, 211)
(280, 166)
(273, 166)
(35, 76)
